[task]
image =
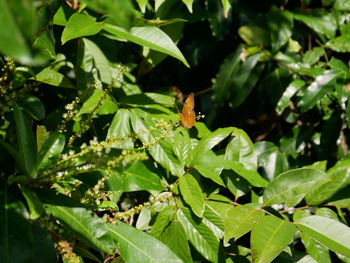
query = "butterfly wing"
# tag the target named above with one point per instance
(188, 116)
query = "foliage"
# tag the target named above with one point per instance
(96, 166)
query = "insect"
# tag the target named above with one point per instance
(188, 116)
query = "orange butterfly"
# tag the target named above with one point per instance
(188, 116)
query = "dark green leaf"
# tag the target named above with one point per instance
(36, 208)
(120, 130)
(33, 106)
(54, 78)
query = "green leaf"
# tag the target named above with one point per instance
(80, 25)
(270, 237)
(192, 194)
(342, 5)
(50, 150)
(188, 4)
(339, 44)
(271, 160)
(313, 55)
(241, 149)
(174, 237)
(280, 25)
(92, 65)
(214, 221)
(25, 139)
(137, 177)
(99, 103)
(120, 130)
(151, 37)
(41, 136)
(163, 219)
(33, 106)
(53, 78)
(162, 151)
(315, 92)
(240, 220)
(142, 4)
(200, 235)
(210, 141)
(291, 187)
(136, 246)
(183, 146)
(148, 98)
(329, 232)
(314, 249)
(36, 208)
(87, 226)
(254, 35)
(227, 5)
(289, 92)
(321, 22)
(338, 177)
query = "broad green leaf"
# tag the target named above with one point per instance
(151, 37)
(80, 25)
(200, 235)
(87, 226)
(214, 221)
(339, 44)
(329, 232)
(210, 141)
(342, 5)
(50, 150)
(19, 18)
(241, 149)
(291, 187)
(33, 106)
(136, 246)
(162, 151)
(137, 177)
(163, 219)
(62, 15)
(270, 236)
(321, 22)
(338, 177)
(271, 160)
(327, 212)
(53, 78)
(120, 130)
(99, 103)
(313, 55)
(183, 146)
(192, 194)
(280, 25)
(289, 92)
(25, 139)
(210, 166)
(188, 4)
(307, 259)
(20, 236)
(36, 208)
(174, 237)
(315, 249)
(240, 220)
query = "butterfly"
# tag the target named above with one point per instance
(188, 116)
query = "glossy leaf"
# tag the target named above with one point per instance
(138, 247)
(162, 221)
(100, 103)
(25, 138)
(142, 4)
(240, 220)
(91, 229)
(290, 91)
(313, 55)
(292, 186)
(148, 98)
(151, 37)
(174, 237)
(329, 232)
(80, 25)
(338, 177)
(36, 208)
(50, 150)
(192, 193)
(200, 236)
(227, 5)
(137, 177)
(33, 106)
(120, 129)
(339, 44)
(241, 149)
(188, 4)
(53, 78)
(270, 236)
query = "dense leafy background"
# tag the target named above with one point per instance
(96, 167)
